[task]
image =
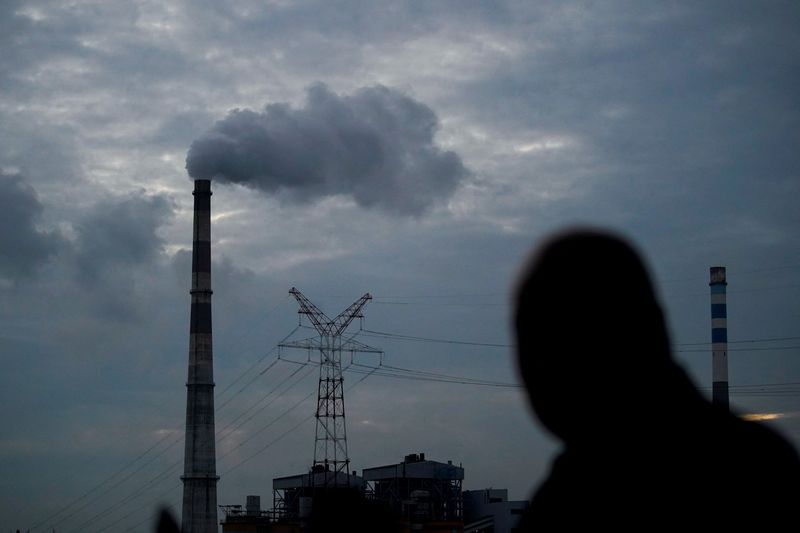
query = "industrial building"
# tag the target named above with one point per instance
(422, 494)
(414, 495)
(293, 496)
(489, 510)
(251, 519)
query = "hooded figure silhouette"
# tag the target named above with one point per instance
(642, 448)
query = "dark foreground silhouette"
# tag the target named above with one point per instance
(642, 448)
(166, 524)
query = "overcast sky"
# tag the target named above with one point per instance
(413, 150)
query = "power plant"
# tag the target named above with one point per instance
(422, 494)
(200, 463)
(416, 494)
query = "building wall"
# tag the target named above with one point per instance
(492, 503)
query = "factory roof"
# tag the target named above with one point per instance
(319, 480)
(414, 466)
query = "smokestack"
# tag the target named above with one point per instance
(719, 338)
(200, 463)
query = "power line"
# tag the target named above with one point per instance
(250, 368)
(383, 371)
(174, 466)
(293, 428)
(162, 452)
(118, 483)
(286, 412)
(768, 384)
(154, 482)
(766, 339)
(754, 349)
(304, 376)
(125, 500)
(734, 271)
(157, 498)
(101, 484)
(443, 376)
(253, 326)
(269, 393)
(382, 334)
(439, 378)
(374, 371)
(414, 338)
(135, 494)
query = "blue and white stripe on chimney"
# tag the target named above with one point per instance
(719, 337)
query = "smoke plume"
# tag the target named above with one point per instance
(375, 145)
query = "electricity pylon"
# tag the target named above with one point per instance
(330, 441)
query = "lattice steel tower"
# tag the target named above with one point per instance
(330, 441)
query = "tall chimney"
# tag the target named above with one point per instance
(719, 338)
(200, 463)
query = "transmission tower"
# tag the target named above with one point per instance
(330, 441)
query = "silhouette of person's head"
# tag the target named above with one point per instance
(591, 339)
(166, 523)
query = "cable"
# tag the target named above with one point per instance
(172, 444)
(222, 457)
(135, 494)
(240, 338)
(382, 334)
(455, 380)
(275, 347)
(150, 502)
(263, 428)
(160, 478)
(397, 336)
(304, 376)
(754, 349)
(120, 482)
(282, 435)
(767, 339)
(383, 371)
(439, 375)
(99, 485)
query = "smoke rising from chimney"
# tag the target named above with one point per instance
(375, 145)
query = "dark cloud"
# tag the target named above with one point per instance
(23, 245)
(376, 145)
(180, 129)
(120, 233)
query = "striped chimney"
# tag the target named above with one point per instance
(719, 338)
(200, 470)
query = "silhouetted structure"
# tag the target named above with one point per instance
(304, 503)
(293, 497)
(414, 495)
(329, 497)
(422, 494)
(200, 470)
(490, 511)
(719, 337)
(251, 519)
(165, 523)
(331, 466)
(642, 448)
